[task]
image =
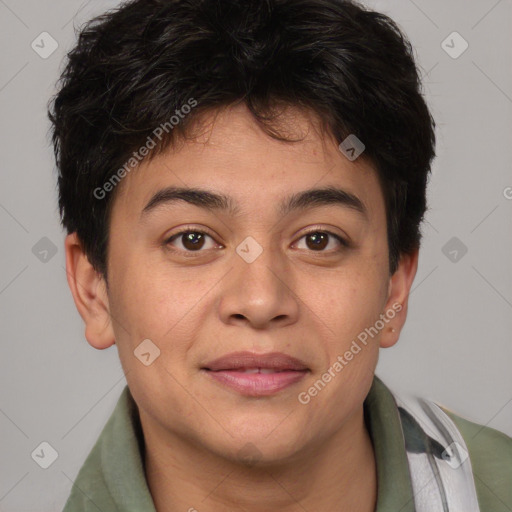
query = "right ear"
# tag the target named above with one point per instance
(89, 291)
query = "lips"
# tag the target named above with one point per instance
(256, 375)
(241, 361)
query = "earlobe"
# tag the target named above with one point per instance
(398, 296)
(89, 292)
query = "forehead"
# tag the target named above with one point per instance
(230, 154)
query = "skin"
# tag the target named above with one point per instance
(306, 302)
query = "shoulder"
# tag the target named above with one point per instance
(89, 490)
(92, 488)
(490, 454)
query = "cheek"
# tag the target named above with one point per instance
(345, 301)
(159, 302)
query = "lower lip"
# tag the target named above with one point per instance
(257, 384)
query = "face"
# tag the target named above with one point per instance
(202, 280)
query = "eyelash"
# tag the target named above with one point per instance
(344, 244)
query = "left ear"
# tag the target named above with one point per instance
(398, 296)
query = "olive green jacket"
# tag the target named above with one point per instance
(112, 478)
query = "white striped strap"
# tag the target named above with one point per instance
(440, 467)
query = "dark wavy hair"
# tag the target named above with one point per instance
(134, 66)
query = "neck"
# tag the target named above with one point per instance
(338, 473)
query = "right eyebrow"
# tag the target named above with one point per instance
(198, 197)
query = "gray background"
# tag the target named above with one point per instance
(456, 346)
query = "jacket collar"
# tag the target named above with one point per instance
(113, 472)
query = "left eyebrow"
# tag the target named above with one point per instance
(214, 201)
(323, 197)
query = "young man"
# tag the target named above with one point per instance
(243, 184)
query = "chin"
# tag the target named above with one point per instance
(258, 449)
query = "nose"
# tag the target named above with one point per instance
(260, 293)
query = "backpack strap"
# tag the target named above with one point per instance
(440, 467)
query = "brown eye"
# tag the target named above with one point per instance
(191, 241)
(317, 241)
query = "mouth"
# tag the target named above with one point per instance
(256, 374)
